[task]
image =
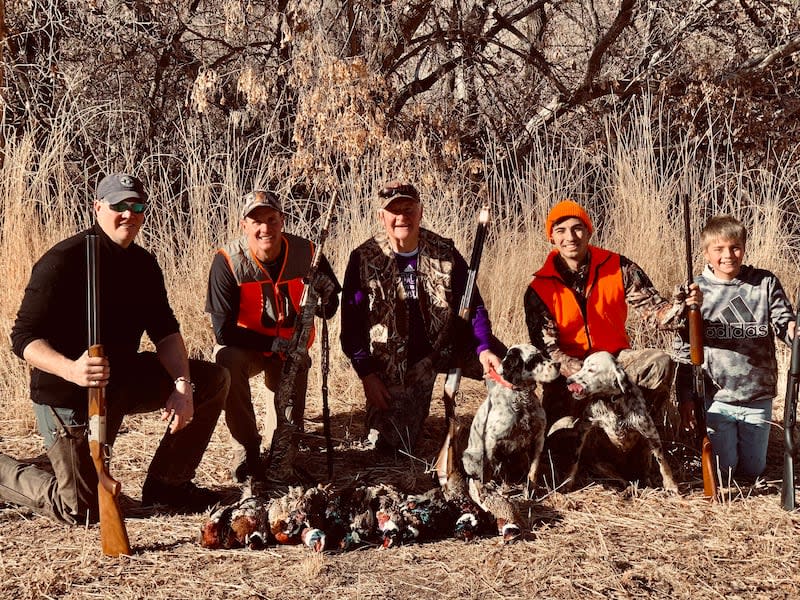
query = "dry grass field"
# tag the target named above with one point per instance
(599, 541)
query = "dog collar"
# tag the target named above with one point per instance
(496, 376)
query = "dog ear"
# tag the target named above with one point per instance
(535, 360)
(511, 364)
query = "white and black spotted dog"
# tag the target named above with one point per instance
(616, 405)
(507, 433)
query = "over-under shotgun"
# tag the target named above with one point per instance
(113, 535)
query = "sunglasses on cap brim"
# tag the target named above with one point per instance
(400, 191)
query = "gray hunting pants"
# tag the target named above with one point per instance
(70, 493)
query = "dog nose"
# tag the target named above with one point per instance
(557, 364)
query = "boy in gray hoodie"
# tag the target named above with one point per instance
(744, 309)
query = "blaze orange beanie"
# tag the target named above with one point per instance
(564, 210)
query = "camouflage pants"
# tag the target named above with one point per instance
(653, 371)
(399, 427)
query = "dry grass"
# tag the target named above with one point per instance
(596, 542)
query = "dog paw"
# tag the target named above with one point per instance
(672, 488)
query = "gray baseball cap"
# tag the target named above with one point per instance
(120, 186)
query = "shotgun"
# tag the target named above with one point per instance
(695, 320)
(283, 446)
(113, 535)
(453, 380)
(789, 416)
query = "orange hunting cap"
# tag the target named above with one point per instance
(565, 210)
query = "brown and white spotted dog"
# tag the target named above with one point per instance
(507, 433)
(615, 404)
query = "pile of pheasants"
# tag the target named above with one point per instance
(355, 516)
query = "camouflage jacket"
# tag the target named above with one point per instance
(388, 308)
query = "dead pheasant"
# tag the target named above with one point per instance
(281, 515)
(308, 517)
(387, 502)
(362, 522)
(243, 524)
(491, 499)
(428, 516)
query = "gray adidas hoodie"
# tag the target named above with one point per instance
(741, 320)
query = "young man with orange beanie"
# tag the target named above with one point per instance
(578, 304)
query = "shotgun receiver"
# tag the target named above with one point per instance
(695, 320)
(789, 416)
(284, 442)
(453, 380)
(113, 535)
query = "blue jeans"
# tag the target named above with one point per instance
(739, 435)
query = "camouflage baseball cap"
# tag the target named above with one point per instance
(257, 199)
(397, 190)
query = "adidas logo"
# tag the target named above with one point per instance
(737, 322)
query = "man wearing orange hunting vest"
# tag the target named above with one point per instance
(254, 292)
(578, 304)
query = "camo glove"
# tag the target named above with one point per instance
(328, 297)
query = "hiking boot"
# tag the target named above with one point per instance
(247, 464)
(183, 497)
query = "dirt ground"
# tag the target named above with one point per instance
(601, 541)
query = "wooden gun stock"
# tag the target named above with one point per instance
(789, 420)
(113, 535)
(706, 452)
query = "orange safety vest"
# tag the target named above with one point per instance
(602, 327)
(266, 306)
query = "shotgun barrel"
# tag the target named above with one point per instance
(789, 419)
(453, 380)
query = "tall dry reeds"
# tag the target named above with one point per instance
(629, 185)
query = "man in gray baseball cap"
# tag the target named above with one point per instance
(120, 186)
(50, 335)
